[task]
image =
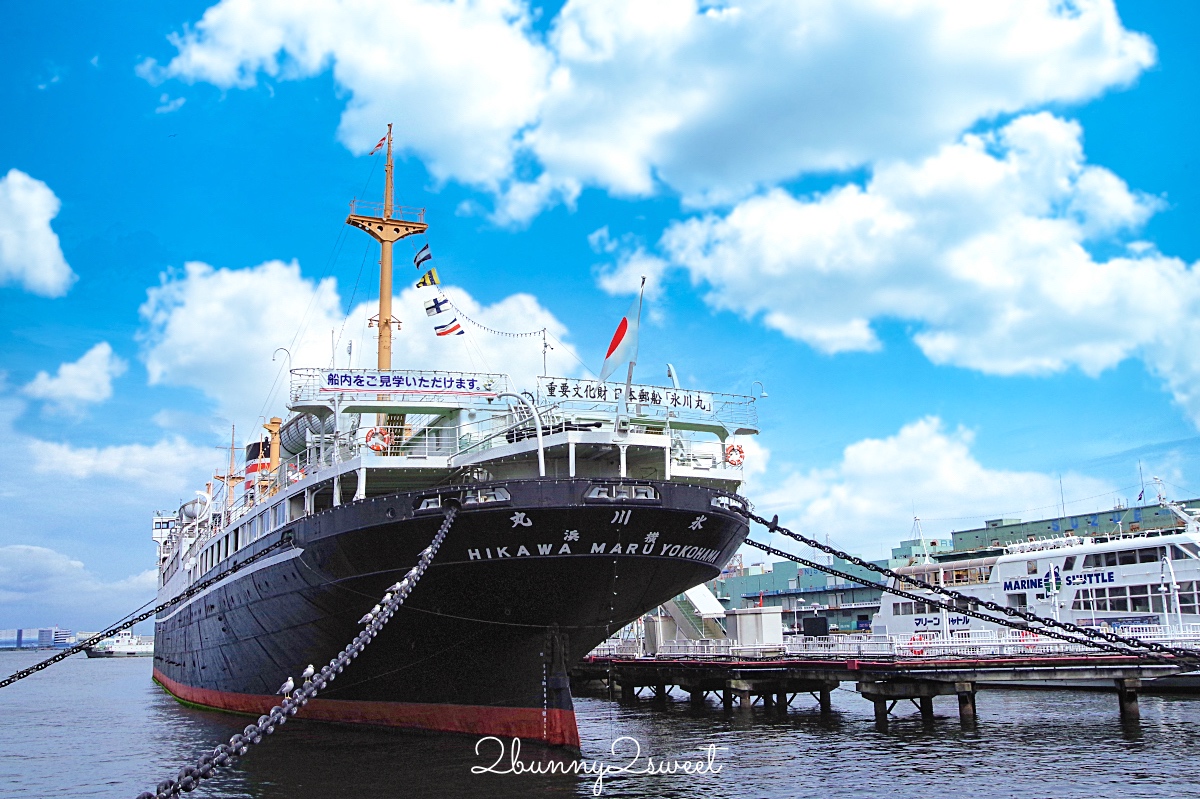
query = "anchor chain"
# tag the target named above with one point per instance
(125, 625)
(1086, 635)
(225, 755)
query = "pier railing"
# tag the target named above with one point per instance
(972, 643)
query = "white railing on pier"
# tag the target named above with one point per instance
(962, 644)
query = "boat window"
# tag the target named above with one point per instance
(1090, 562)
(1139, 598)
(906, 608)
(1126, 557)
(1148, 555)
(1069, 563)
(1110, 558)
(1017, 600)
(895, 608)
(1156, 603)
(1180, 551)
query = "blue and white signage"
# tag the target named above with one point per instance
(350, 381)
(570, 389)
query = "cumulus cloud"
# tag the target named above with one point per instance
(868, 498)
(983, 245)
(41, 582)
(460, 79)
(711, 100)
(29, 251)
(216, 330)
(79, 383)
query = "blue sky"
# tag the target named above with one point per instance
(956, 244)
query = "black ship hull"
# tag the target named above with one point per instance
(519, 591)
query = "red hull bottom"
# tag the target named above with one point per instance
(553, 726)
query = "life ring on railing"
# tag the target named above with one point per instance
(916, 638)
(735, 455)
(379, 439)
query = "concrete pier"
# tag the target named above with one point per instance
(882, 682)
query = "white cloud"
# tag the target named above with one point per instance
(633, 264)
(83, 382)
(460, 79)
(172, 464)
(868, 498)
(37, 581)
(712, 100)
(167, 105)
(29, 251)
(216, 330)
(984, 246)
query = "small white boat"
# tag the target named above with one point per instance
(123, 645)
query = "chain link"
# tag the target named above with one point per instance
(125, 625)
(226, 755)
(1100, 639)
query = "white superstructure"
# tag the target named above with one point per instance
(1123, 580)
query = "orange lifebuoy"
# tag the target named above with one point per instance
(918, 638)
(735, 455)
(379, 439)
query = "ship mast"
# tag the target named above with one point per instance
(387, 229)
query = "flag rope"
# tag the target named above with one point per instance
(462, 314)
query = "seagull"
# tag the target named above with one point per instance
(396, 587)
(287, 687)
(308, 673)
(366, 619)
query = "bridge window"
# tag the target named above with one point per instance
(1148, 555)
(1126, 557)
(1069, 563)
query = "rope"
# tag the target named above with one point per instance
(493, 331)
(225, 755)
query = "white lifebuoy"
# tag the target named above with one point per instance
(735, 455)
(379, 439)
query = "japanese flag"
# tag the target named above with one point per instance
(624, 342)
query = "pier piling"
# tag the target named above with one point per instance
(1127, 696)
(966, 703)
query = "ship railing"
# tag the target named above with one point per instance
(405, 213)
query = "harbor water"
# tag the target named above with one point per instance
(102, 728)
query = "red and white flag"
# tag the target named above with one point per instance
(625, 341)
(379, 146)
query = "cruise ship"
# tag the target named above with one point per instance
(1142, 581)
(582, 505)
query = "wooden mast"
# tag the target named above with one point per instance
(387, 229)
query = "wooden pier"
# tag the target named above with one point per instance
(776, 681)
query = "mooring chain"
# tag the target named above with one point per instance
(1086, 632)
(125, 625)
(946, 605)
(226, 755)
